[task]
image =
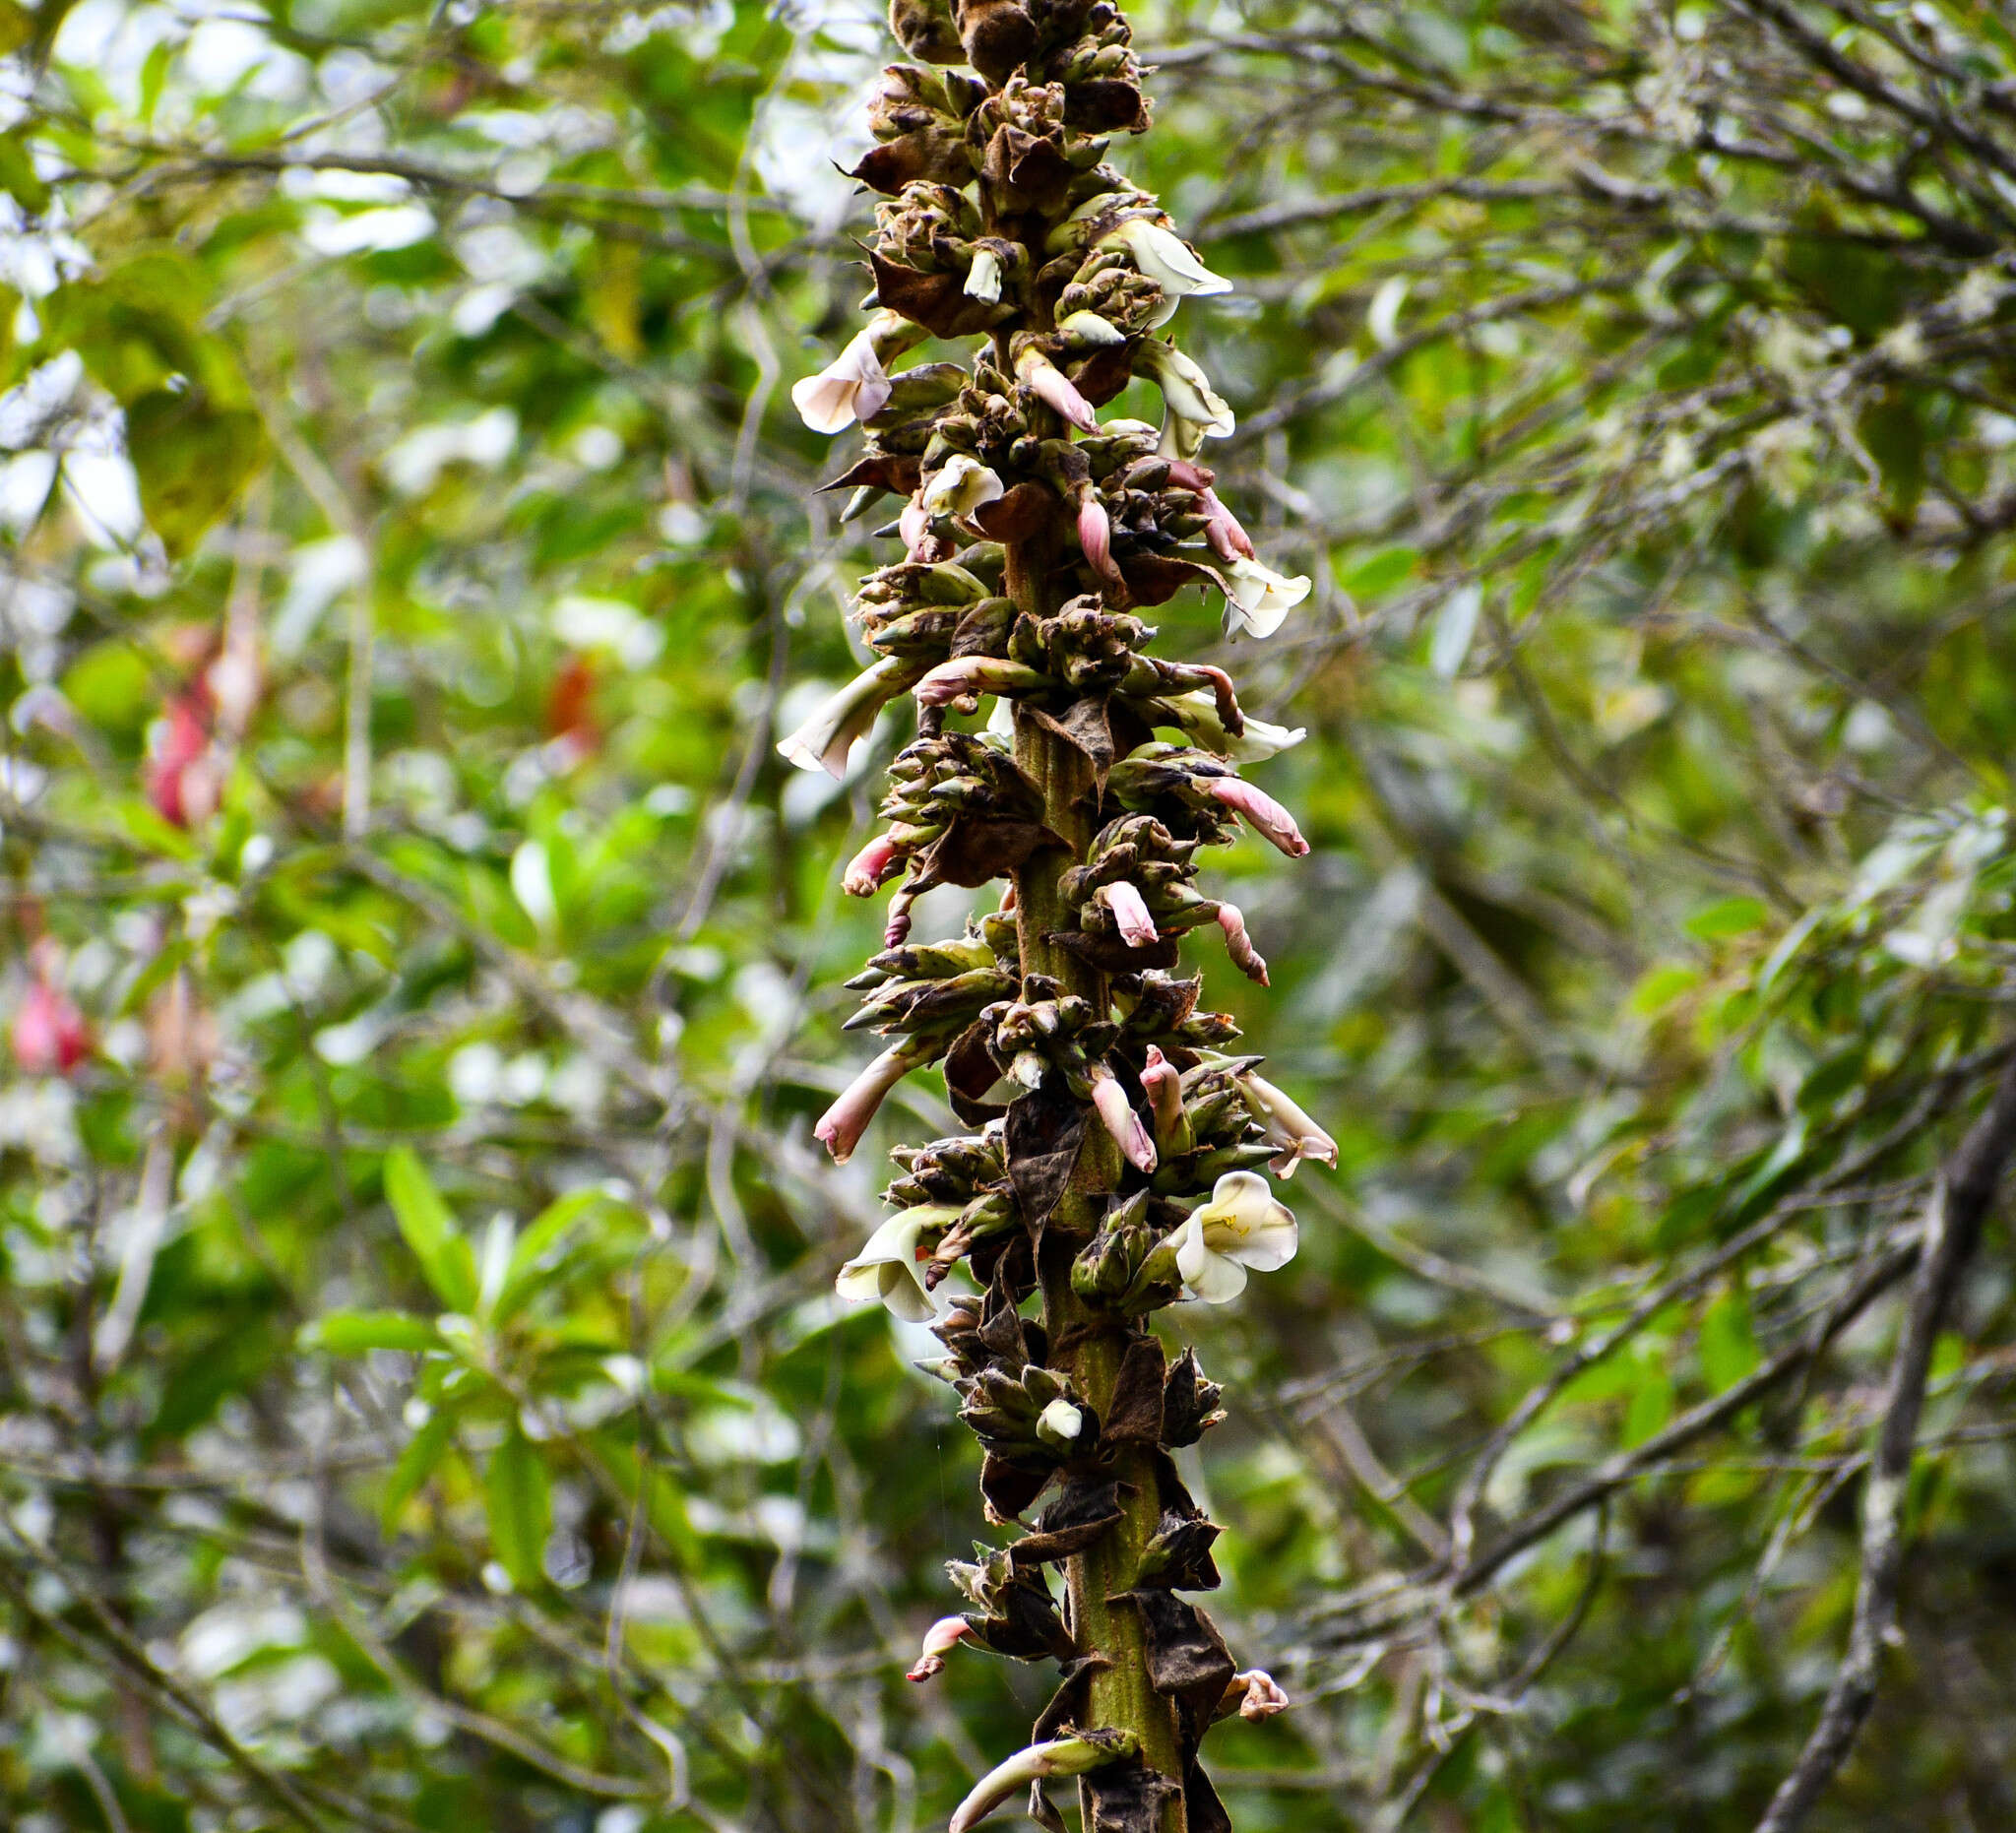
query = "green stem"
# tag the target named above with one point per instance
(1087, 1343)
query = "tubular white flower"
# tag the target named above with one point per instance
(1288, 1127)
(1167, 260)
(1242, 1226)
(824, 739)
(959, 486)
(1187, 390)
(890, 1265)
(1061, 1756)
(1088, 330)
(1257, 599)
(1197, 715)
(1059, 1424)
(984, 277)
(853, 387)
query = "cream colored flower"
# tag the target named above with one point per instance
(1186, 389)
(824, 739)
(1167, 260)
(984, 277)
(1288, 1127)
(959, 486)
(1257, 597)
(1197, 714)
(1242, 1226)
(853, 387)
(890, 1265)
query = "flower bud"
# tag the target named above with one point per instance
(1239, 945)
(1116, 1114)
(943, 1635)
(1055, 389)
(871, 868)
(1269, 820)
(1130, 913)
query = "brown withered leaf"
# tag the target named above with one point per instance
(1134, 1413)
(1025, 1624)
(1104, 373)
(1086, 1510)
(1189, 1401)
(1127, 1798)
(1186, 1655)
(1045, 1133)
(1011, 1489)
(931, 155)
(1203, 1811)
(1178, 1556)
(969, 1073)
(1025, 172)
(1086, 726)
(1070, 1703)
(1112, 955)
(1041, 1811)
(896, 473)
(936, 302)
(1106, 105)
(1155, 578)
(1027, 509)
(975, 852)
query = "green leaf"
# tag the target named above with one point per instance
(521, 1506)
(417, 1463)
(430, 1231)
(192, 458)
(1728, 1348)
(1729, 917)
(18, 176)
(1651, 1405)
(351, 1333)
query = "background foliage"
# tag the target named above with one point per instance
(422, 1401)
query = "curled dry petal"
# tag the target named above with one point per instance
(1269, 820)
(842, 1126)
(1137, 927)
(1260, 1695)
(870, 868)
(1239, 945)
(942, 1636)
(1116, 1114)
(1229, 541)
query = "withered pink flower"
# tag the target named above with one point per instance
(1269, 820)
(913, 526)
(1116, 1114)
(1137, 927)
(1229, 541)
(1260, 1695)
(942, 1635)
(1239, 945)
(870, 868)
(842, 1126)
(1057, 390)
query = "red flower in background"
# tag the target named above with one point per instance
(50, 1035)
(570, 710)
(181, 774)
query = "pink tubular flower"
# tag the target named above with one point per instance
(1163, 1084)
(1239, 945)
(842, 1126)
(914, 527)
(1055, 389)
(1096, 537)
(1136, 926)
(1229, 541)
(1270, 820)
(942, 1635)
(51, 1037)
(870, 868)
(1118, 1114)
(966, 675)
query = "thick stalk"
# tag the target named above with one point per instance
(1087, 1343)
